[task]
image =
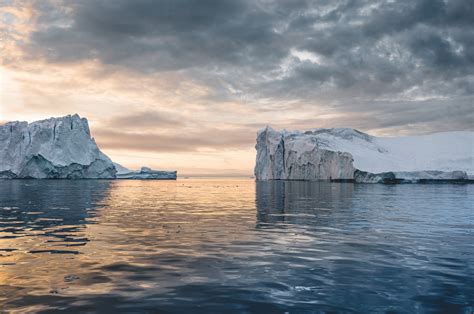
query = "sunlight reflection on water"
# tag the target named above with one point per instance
(235, 246)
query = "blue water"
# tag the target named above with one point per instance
(235, 246)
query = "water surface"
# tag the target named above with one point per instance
(235, 246)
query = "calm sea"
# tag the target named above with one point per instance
(235, 246)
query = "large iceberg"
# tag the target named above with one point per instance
(347, 154)
(56, 148)
(295, 156)
(60, 148)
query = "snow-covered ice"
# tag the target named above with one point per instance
(294, 155)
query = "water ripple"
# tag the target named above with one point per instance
(235, 246)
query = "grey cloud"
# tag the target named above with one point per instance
(439, 114)
(368, 50)
(170, 35)
(163, 35)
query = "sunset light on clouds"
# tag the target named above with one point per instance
(187, 84)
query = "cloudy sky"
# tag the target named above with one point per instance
(186, 84)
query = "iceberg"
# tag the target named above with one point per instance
(294, 156)
(55, 148)
(344, 154)
(60, 148)
(121, 169)
(144, 173)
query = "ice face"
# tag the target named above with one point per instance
(322, 154)
(297, 156)
(60, 148)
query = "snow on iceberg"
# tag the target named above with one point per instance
(348, 154)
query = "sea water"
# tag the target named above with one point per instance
(235, 246)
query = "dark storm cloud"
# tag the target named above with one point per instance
(164, 35)
(406, 61)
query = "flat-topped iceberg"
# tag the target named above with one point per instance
(60, 148)
(144, 173)
(348, 154)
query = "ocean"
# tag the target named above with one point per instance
(235, 246)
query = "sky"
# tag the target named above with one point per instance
(186, 84)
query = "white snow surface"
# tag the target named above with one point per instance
(444, 151)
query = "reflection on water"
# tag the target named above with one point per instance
(235, 246)
(42, 227)
(298, 202)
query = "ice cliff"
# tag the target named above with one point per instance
(56, 148)
(295, 156)
(348, 154)
(60, 148)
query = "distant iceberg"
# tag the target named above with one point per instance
(59, 148)
(343, 154)
(144, 173)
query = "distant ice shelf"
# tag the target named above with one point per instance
(144, 173)
(344, 154)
